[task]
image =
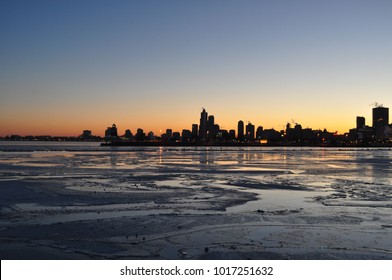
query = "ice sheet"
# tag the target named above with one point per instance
(161, 202)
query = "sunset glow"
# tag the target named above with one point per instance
(74, 65)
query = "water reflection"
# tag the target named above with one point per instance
(207, 157)
(374, 166)
(160, 155)
(113, 159)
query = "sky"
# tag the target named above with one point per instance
(67, 66)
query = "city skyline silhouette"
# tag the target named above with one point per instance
(208, 132)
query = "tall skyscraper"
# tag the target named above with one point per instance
(203, 125)
(240, 135)
(380, 117)
(195, 129)
(250, 132)
(210, 123)
(380, 121)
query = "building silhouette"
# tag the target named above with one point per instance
(169, 133)
(380, 121)
(360, 122)
(380, 117)
(86, 134)
(150, 136)
(195, 129)
(111, 133)
(289, 133)
(210, 123)
(240, 135)
(203, 125)
(176, 136)
(298, 132)
(259, 132)
(250, 132)
(140, 135)
(186, 135)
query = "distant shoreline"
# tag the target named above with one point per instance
(198, 144)
(184, 144)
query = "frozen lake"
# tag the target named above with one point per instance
(80, 201)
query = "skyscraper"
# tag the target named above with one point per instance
(380, 121)
(240, 135)
(203, 125)
(380, 117)
(210, 123)
(250, 132)
(211, 132)
(195, 128)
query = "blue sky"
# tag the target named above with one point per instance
(72, 65)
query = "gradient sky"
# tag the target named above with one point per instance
(71, 65)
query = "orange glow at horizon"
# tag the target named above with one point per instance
(156, 123)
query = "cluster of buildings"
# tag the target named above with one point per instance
(380, 131)
(208, 132)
